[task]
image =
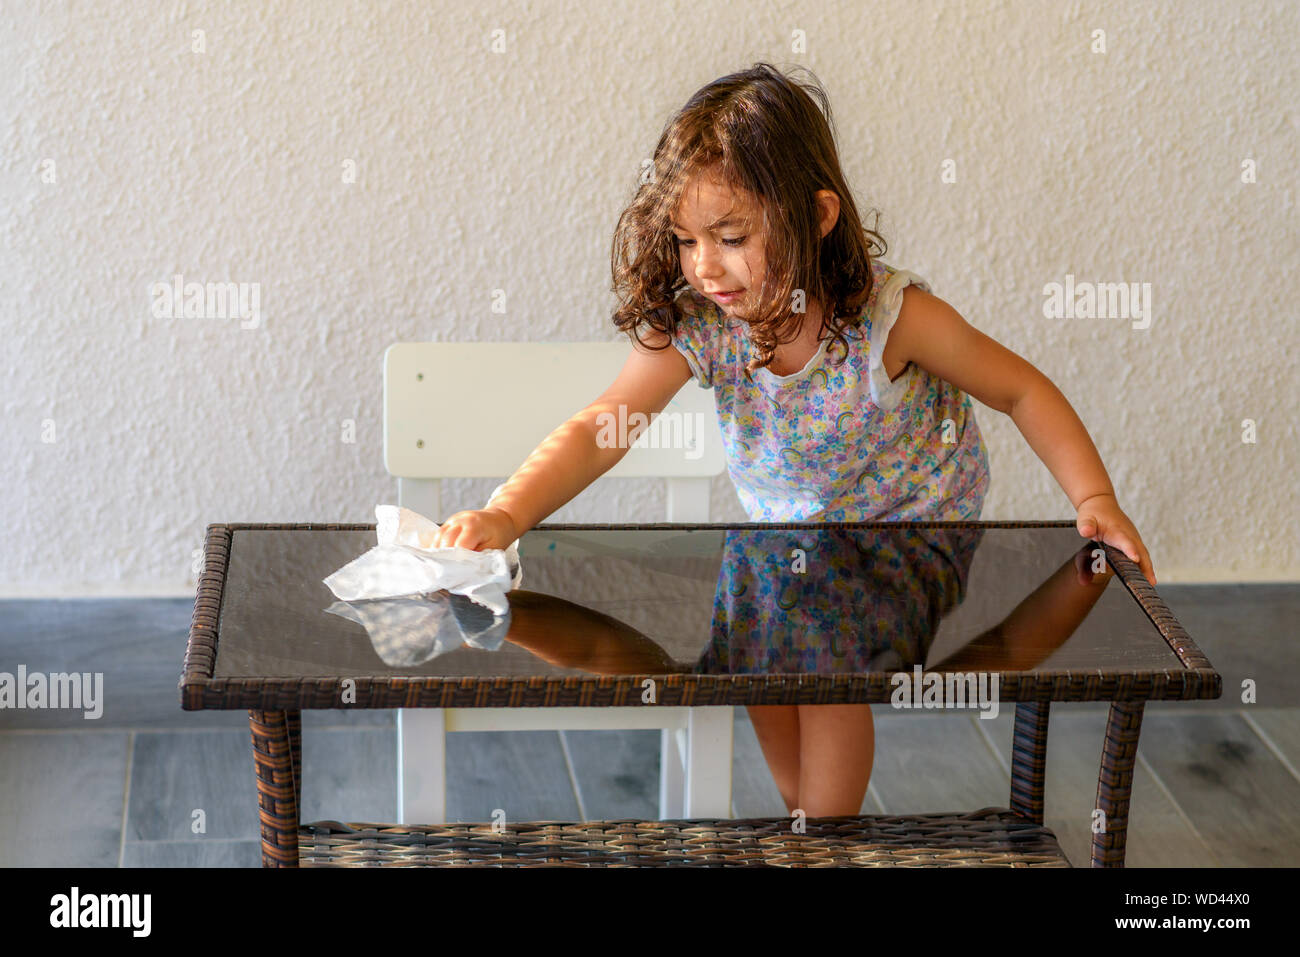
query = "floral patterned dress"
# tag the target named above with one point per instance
(837, 443)
(834, 600)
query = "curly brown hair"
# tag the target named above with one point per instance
(764, 134)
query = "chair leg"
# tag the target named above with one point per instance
(1115, 783)
(293, 722)
(277, 787)
(1029, 759)
(421, 766)
(708, 762)
(672, 776)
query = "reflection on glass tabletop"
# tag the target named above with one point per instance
(708, 600)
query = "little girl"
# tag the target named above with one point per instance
(843, 386)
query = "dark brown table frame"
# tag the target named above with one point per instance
(274, 704)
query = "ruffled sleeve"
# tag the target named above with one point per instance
(699, 334)
(888, 300)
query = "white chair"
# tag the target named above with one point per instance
(521, 393)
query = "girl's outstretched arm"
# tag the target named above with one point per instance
(933, 334)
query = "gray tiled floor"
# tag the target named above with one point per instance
(150, 785)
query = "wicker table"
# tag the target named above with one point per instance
(707, 615)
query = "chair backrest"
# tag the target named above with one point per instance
(477, 409)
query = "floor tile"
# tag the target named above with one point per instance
(62, 794)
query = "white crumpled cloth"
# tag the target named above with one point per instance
(404, 563)
(413, 629)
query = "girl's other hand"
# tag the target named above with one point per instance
(1101, 518)
(476, 529)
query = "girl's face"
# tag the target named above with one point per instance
(720, 242)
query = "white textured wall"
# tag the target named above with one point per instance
(479, 170)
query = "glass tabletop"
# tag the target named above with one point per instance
(706, 600)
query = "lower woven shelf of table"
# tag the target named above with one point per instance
(989, 837)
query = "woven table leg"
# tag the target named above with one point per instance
(1115, 783)
(1029, 759)
(277, 787)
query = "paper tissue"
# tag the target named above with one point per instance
(417, 602)
(405, 563)
(413, 629)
